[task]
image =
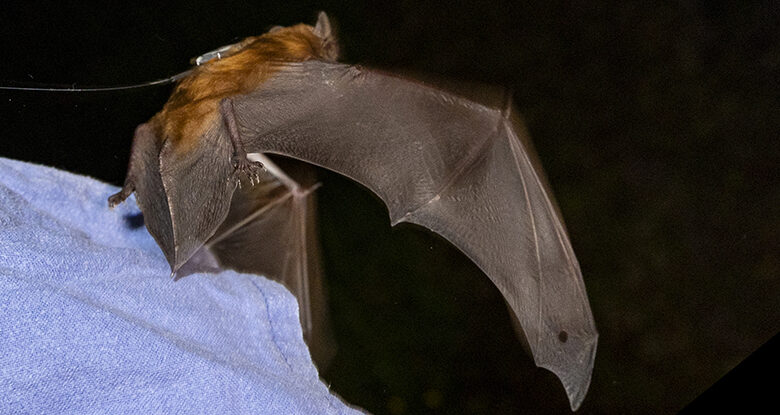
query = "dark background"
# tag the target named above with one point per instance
(657, 123)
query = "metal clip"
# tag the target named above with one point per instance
(216, 53)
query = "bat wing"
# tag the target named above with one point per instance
(272, 230)
(449, 164)
(203, 221)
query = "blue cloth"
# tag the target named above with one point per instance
(92, 322)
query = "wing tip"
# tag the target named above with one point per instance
(577, 387)
(574, 368)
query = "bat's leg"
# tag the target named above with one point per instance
(122, 194)
(240, 161)
(142, 133)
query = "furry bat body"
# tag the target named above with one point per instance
(212, 199)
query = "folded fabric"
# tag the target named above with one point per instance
(92, 322)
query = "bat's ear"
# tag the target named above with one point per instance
(325, 31)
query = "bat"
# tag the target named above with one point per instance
(215, 194)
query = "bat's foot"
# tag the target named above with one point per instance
(246, 169)
(119, 196)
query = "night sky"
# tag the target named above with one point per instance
(657, 125)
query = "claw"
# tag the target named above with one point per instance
(248, 169)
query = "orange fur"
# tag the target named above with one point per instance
(195, 100)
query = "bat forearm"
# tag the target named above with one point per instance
(229, 115)
(241, 163)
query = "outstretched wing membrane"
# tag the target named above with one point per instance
(454, 166)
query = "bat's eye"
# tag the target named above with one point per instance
(563, 336)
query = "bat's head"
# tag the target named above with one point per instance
(326, 33)
(324, 43)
